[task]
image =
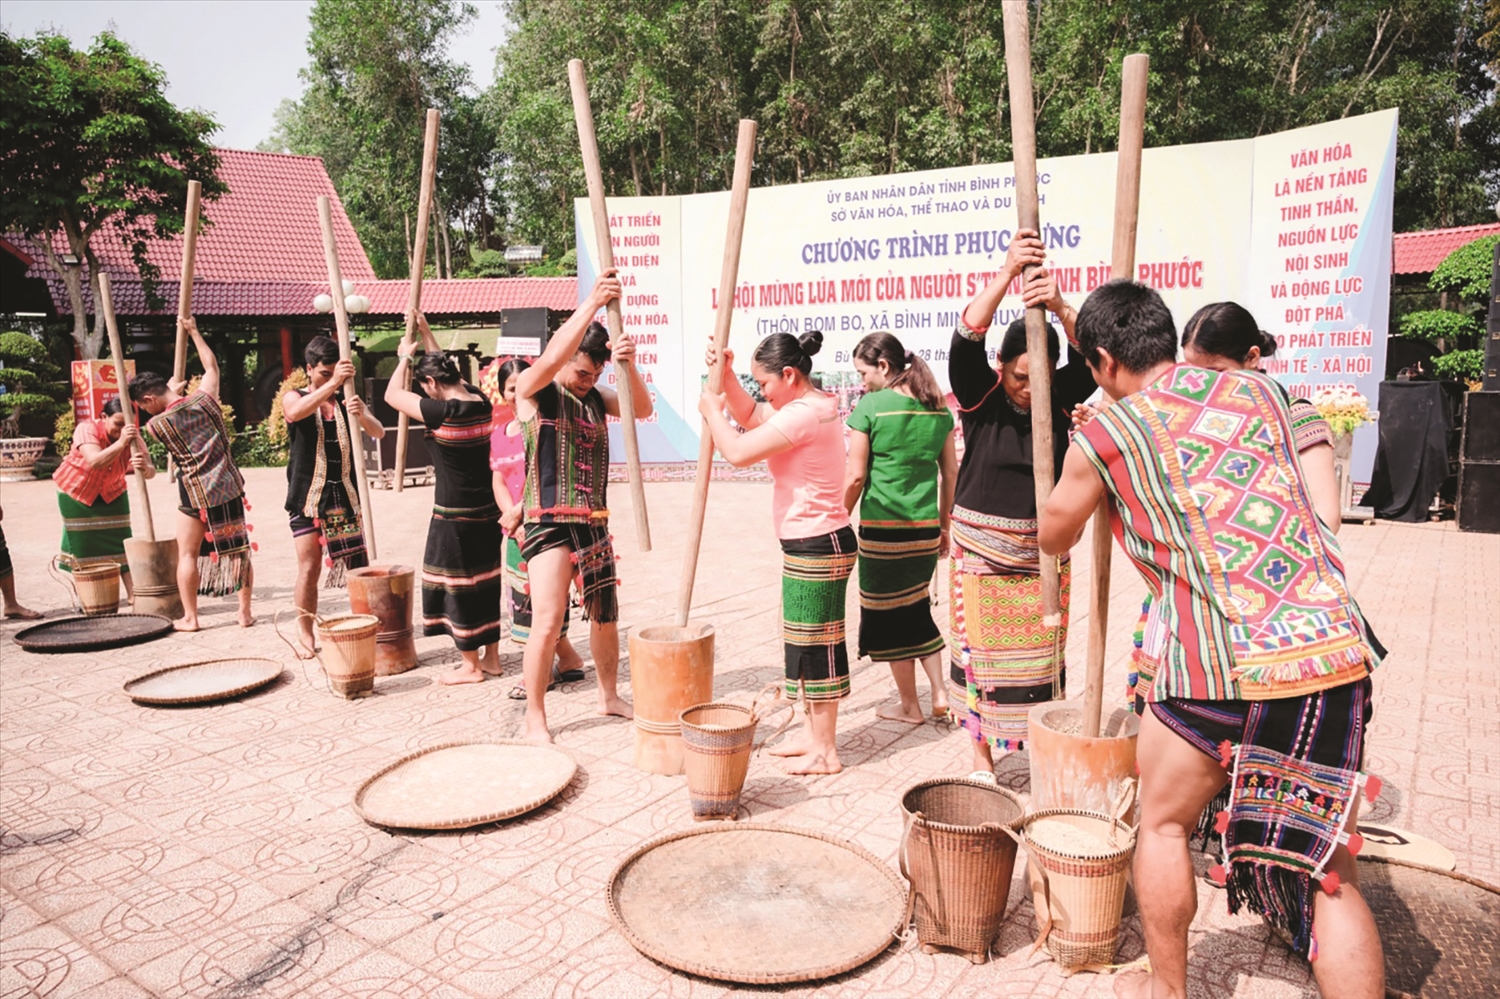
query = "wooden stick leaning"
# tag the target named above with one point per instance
(583, 114)
(140, 497)
(414, 298)
(1122, 265)
(744, 159)
(1039, 359)
(341, 322)
(185, 287)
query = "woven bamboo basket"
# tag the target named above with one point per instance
(1077, 873)
(958, 852)
(347, 650)
(95, 588)
(717, 741)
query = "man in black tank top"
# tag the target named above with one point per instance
(308, 412)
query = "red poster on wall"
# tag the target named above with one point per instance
(94, 384)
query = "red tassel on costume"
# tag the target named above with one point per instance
(1221, 822)
(255, 546)
(208, 535)
(203, 515)
(322, 541)
(1226, 754)
(1356, 844)
(522, 566)
(249, 526)
(1373, 785)
(1217, 876)
(213, 557)
(1330, 882)
(247, 503)
(1129, 692)
(317, 522)
(328, 562)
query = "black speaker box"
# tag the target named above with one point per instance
(1481, 428)
(1479, 497)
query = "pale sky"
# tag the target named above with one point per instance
(236, 59)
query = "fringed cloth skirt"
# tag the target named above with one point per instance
(1004, 659)
(593, 556)
(461, 576)
(224, 554)
(340, 533)
(94, 535)
(1294, 775)
(814, 582)
(896, 565)
(520, 595)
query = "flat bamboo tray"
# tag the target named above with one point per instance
(759, 904)
(462, 784)
(202, 682)
(93, 634)
(1441, 931)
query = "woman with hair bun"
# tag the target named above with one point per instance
(461, 567)
(796, 431)
(901, 473)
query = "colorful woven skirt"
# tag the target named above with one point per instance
(895, 612)
(593, 556)
(94, 535)
(1294, 775)
(1004, 659)
(520, 595)
(461, 576)
(814, 582)
(224, 553)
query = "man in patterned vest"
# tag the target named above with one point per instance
(1264, 656)
(213, 543)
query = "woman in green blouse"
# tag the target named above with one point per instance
(901, 471)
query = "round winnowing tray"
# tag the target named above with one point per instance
(92, 634)
(201, 682)
(463, 784)
(760, 904)
(1440, 931)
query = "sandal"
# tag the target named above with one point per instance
(518, 692)
(988, 776)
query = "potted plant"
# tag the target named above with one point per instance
(1456, 328)
(1345, 408)
(26, 389)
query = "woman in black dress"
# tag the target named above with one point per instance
(462, 568)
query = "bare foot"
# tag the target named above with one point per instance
(185, 624)
(615, 706)
(900, 714)
(464, 674)
(939, 704)
(491, 667)
(305, 651)
(1133, 984)
(19, 613)
(567, 662)
(537, 734)
(818, 763)
(247, 620)
(799, 747)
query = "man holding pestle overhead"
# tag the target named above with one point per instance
(1265, 659)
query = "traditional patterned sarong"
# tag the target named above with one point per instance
(895, 571)
(6, 569)
(460, 586)
(1294, 776)
(94, 534)
(1004, 658)
(814, 581)
(520, 595)
(593, 557)
(224, 552)
(209, 487)
(331, 501)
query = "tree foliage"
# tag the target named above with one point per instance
(88, 140)
(376, 68)
(1467, 270)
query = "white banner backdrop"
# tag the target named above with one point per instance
(1295, 226)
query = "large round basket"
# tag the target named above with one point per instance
(462, 784)
(1440, 930)
(1077, 876)
(759, 904)
(202, 682)
(92, 634)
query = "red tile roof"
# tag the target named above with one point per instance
(1421, 252)
(262, 255)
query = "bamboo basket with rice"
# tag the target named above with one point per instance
(1079, 865)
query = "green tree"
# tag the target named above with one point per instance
(89, 143)
(1463, 281)
(376, 68)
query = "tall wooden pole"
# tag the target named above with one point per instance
(583, 114)
(744, 159)
(1038, 358)
(341, 322)
(1122, 265)
(185, 287)
(140, 497)
(414, 298)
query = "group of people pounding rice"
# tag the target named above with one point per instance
(1252, 665)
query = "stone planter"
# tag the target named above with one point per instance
(18, 457)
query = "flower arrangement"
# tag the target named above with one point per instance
(1344, 407)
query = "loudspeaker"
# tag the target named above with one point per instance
(1479, 497)
(529, 326)
(1481, 441)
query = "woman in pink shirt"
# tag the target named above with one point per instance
(508, 470)
(798, 433)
